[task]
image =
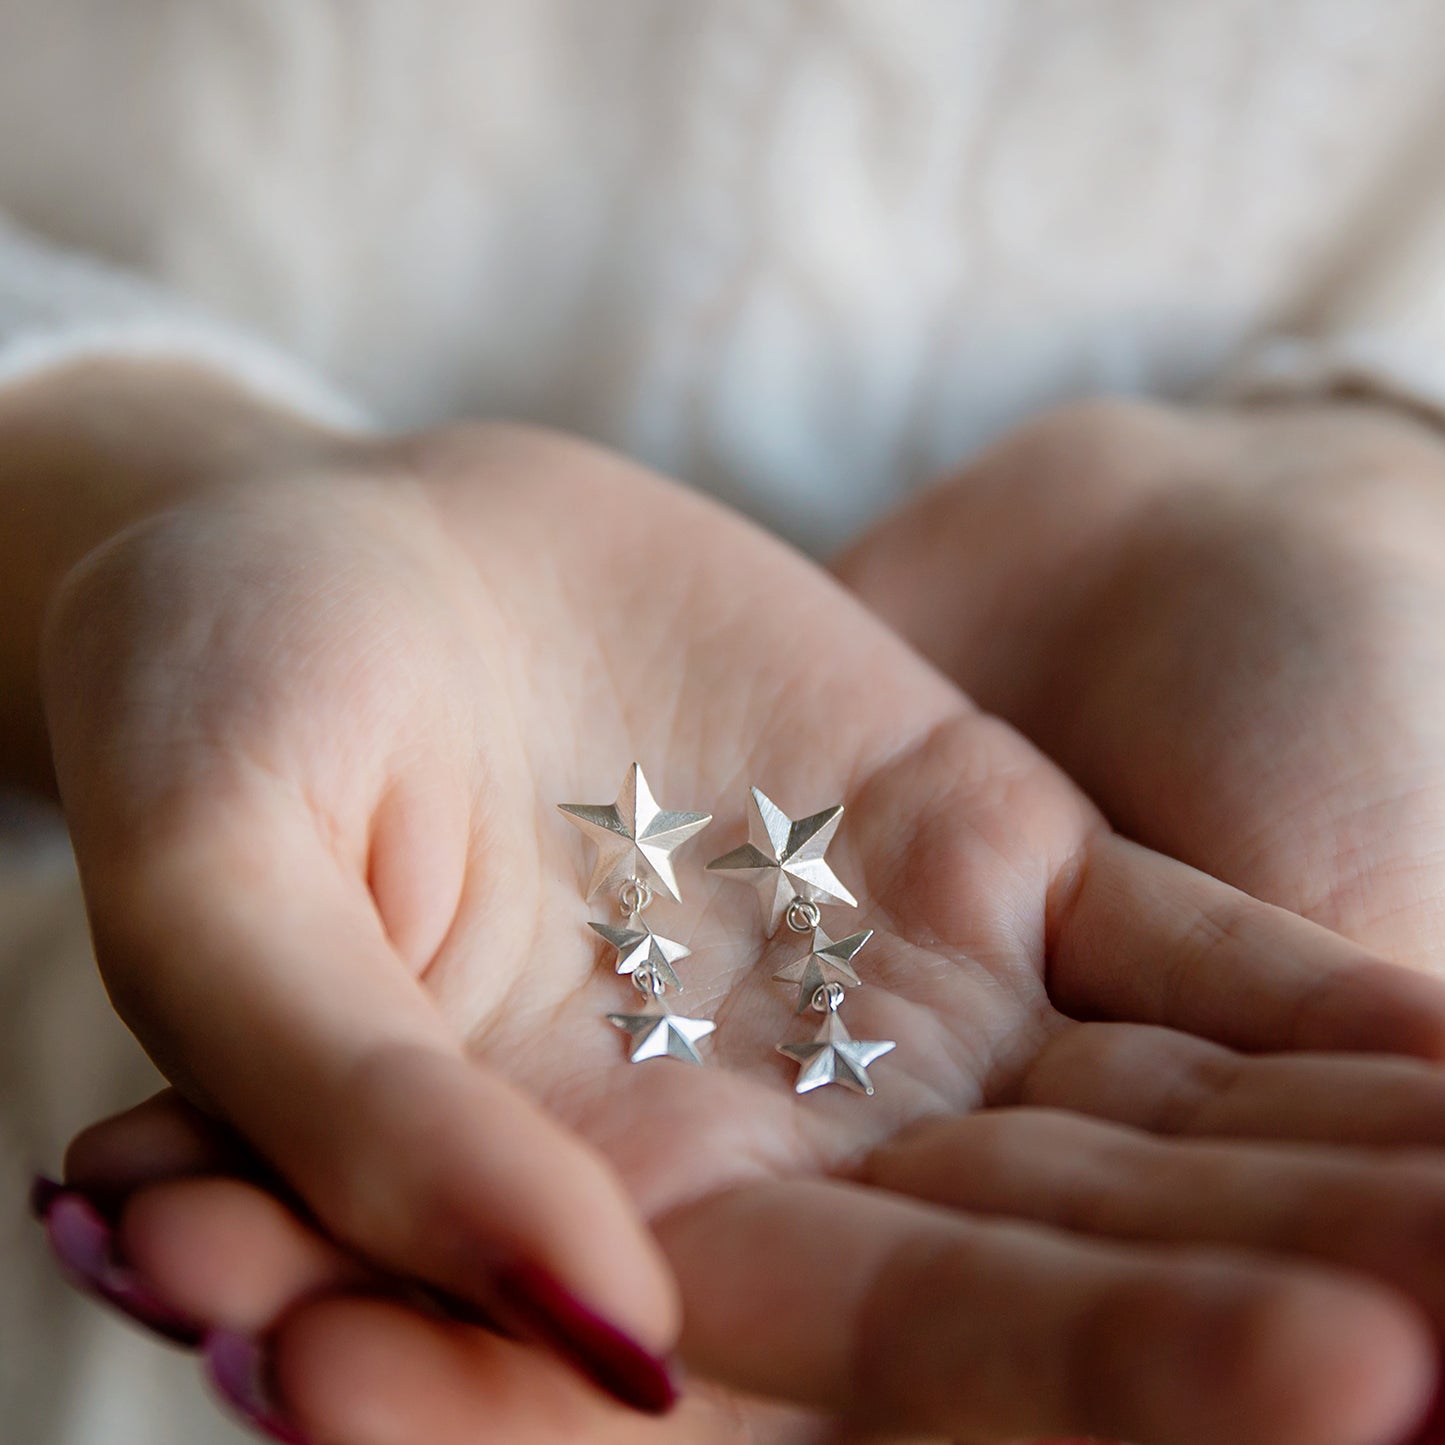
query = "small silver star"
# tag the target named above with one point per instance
(658, 1034)
(634, 837)
(825, 962)
(783, 858)
(642, 948)
(836, 1057)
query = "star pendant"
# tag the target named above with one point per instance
(835, 1057)
(825, 962)
(657, 1034)
(640, 947)
(635, 838)
(783, 858)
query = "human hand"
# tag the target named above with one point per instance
(1224, 625)
(309, 736)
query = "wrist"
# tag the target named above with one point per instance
(91, 448)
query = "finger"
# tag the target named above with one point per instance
(1172, 1083)
(889, 1310)
(162, 1138)
(376, 1373)
(286, 1005)
(1137, 936)
(233, 1256)
(227, 1253)
(1383, 1217)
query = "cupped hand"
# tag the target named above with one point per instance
(310, 737)
(1225, 625)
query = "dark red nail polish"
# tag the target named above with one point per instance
(547, 1313)
(236, 1368)
(83, 1244)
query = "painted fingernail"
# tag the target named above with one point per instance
(83, 1244)
(543, 1310)
(237, 1368)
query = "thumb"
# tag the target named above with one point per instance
(256, 969)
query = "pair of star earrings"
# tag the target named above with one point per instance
(784, 860)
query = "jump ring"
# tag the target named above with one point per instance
(634, 896)
(803, 916)
(646, 980)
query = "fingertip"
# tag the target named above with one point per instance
(1298, 1361)
(1340, 1364)
(1376, 1007)
(238, 1368)
(84, 1246)
(226, 1251)
(347, 1369)
(371, 1372)
(163, 1137)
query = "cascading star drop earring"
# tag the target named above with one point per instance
(635, 841)
(783, 858)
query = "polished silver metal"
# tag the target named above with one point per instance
(635, 838)
(648, 982)
(826, 962)
(638, 947)
(834, 1056)
(655, 1033)
(803, 916)
(635, 896)
(783, 859)
(635, 841)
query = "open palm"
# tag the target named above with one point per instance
(310, 740)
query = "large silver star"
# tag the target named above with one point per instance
(825, 962)
(658, 1034)
(634, 837)
(836, 1057)
(783, 858)
(642, 948)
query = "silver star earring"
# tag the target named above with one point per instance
(635, 841)
(783, 859)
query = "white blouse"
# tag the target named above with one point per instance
(802, 253)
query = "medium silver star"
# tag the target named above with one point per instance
(836, 1057)
(642, 948)
(783, 858)
(825, 962)
(658, 1034)
(634, 837)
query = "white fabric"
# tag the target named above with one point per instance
(804, 253)
(56, 305)
(69, 1375)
